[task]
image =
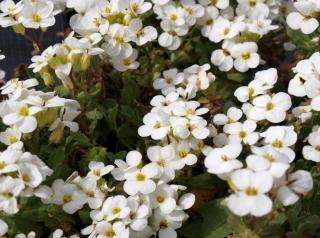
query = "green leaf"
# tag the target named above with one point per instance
(129, 92)
(127, 135)
(213, 223)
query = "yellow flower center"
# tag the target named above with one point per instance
(246, 55)
(250, 191)
(269, 106)
(110, 233)
(173, 17)
(96, 172)
(3, 165)
(182, 154)
(126, 62)
(160, 199)
(116, 210)
(26, 178)
(140, 177)
(269, 157)
(36, 17)
(277, 143)
(13, 140)
(242, 134)
(119, 40)
(214, 2)
(226, 31)
(161, 163)
(67, 198)
(253, 3)
(157, 125)
(24, 111)
(209, 22)
(7, 194)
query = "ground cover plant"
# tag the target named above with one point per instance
(162, 118)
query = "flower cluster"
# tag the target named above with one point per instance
(306, 83)
(253, 156)
(25, 110)
(176, 20)
(120, 25)
(154, 205)
(238, 29)
(305, 16)
(62, 59)
(29, 14)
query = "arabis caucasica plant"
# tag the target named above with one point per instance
(161, 118)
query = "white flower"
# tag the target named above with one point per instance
(140, 180)
(222, 57)
(302, 112)
(124, 64)
(183, 155)
(268, 159)
(166, 224)
(197, 127)
(114, 208)
(175, 15)
(242, 132)
(162, 158)
(139, 213)
(198, 78)
(221, 4)
(98, 169)
(142, 35)
(249, 196)
(299, 182)
(233, 115)
(245, 55)
(68, 195)
(15, 87)
(193, 11)
(10, 15)
(170, 38)
(10, 188)
(41, 61)
(224, 160)
(38, 15)
(224, 29)
(156, 125)
(166, 103)
(256, 9)
(12, 138)
(115, 230)
(272, 108)
(117, 41)
(263, 81)
(312, 151)
(30, 175)
(208, 20)
(160, 2)
(3, 228)
(94, 195)
(163, 198)
(168, 83)
(304, 19)
(31, 234)
(133, 160)
(67, 115)
(280, 138)
(22, 116)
